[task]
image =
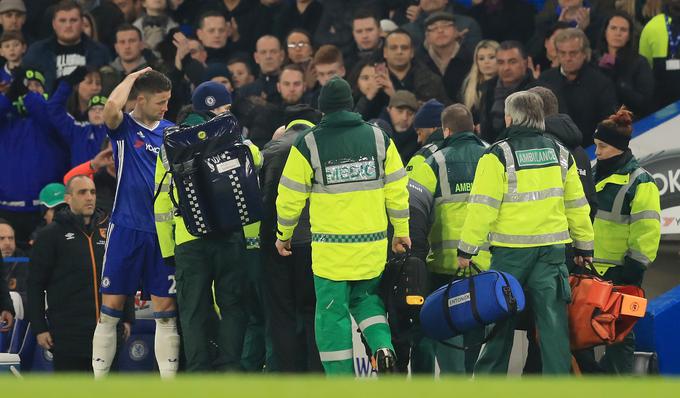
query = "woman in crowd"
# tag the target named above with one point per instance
(78, 103)
(483, 69)
(369, 98)
(617, 57)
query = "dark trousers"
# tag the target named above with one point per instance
(290, 302)
(64, 362)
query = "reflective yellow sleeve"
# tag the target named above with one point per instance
(484, 203)
(396, 193)
(577, 211)
(255, 152)
(645, 224)
(423, 174)
(295, 187)
(164, 210)
(413, 163)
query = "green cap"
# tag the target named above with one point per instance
(96, 100)
(52, 195)
(32, 74)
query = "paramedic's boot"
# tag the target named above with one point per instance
(386, 361)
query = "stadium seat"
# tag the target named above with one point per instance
(137, 355)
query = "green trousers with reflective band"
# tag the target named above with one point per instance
(544, 278)
(335, 301)
(212, 342)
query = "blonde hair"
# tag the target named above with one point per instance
(471, 94)
(628, 6)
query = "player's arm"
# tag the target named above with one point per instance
(113, 109)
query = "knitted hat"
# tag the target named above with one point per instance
(215, 70)
(616, 130)
(97, 100)
(52, 195)
(33, 74)
(429, 115)
(439, 16)
(336, 96)
(210, 95)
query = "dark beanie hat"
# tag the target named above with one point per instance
(429, 115)
(210, 95)
(216, 70)
(616, 130)
(336, 95)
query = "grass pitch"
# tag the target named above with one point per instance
(251, 386)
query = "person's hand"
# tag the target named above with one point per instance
(134, 75)
(6, 319)
(235, 36)
(77, 76)
(103, 159)
(582, 261)
(182, 43)
(535, 69)
(400, 244)
(45, 340)
(283, 247)
(412, 13)
(464, 262)
(127, 329)
(583, 18)
(382, 77)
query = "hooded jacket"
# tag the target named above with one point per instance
(561, 127)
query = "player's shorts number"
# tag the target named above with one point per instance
(173, 287)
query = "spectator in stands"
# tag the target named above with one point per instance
(102, 170)
(470, 31)
(219, 73)
(445, 56)
(90, 27)
(269, 56)
(544, 54)
(131, 9)
(6, 308)
(328, 62)
(13, 18)
(405, 73)
(300, 52)
(575, 12)
(513, 76)
(59, 55)
(104, 17)
(27, 140)
(88, 86)
(213, 32)
(155, 23)
(399, 115)
(618, 59)
(299, 14)
(241, 72)
(15, 272)
(129, 50)
(504, 19)
(655, 45)
(369, 97)
(248, 21)
(12, 49)
(66, 264)
(483, 69)
(335, 26)
(583, 92)
(368, 41)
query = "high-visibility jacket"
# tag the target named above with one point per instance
(527, 193)
(432, 145)
(170, 226)
(354, 179)
(627, 224)
(443, 183)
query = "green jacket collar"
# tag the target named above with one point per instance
(518, 131)
(437, 136)
(459, 137)
(620, 177)
(341, 118)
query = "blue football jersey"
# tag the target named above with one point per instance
(135, 150)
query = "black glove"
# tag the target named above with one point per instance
(77, 76)
(632, 272)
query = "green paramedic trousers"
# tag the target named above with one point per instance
(199, 264)
(335, 301)
(544, 278)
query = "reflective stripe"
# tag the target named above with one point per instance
(374, 320)
(444, 185)
(605, 261)
(529, 239)
(327, 356)
(315, 161)
(397, 213)
(349, 238)
(575, 203)
(395, 176)
(294, 185)
(581, 245)
(164, 187)
(287, 222)
(455, 198)
(453, 244)
(613, 217)
(639, 257)
(163, 217)
(564, 161)
(645, 215)
(535, 195)
(380, 149)
(485, 200)
(617, 207)
(467, 248)
(348, 187)
(509, 166)
(300, 121)
(164, 158)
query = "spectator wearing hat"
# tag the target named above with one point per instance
(427, 123)
(27, 139)
(13, 16)
(399, 116)
(12, 49)
(14, 267)
(445, 55)
(402, 72)
(69, 48)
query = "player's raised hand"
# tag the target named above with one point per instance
(135, 75)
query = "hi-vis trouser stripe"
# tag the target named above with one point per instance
(341, 355)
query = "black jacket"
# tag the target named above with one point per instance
(5, 300)
(589, 99)
(634, 81)
(486, 101)
(422, 82)
(455, 72)
(66, 263)
(563, 129)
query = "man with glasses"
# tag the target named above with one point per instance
(445, 55)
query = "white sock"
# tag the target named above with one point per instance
(104, 345)
(166, 346)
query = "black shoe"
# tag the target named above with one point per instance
(386, 361)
